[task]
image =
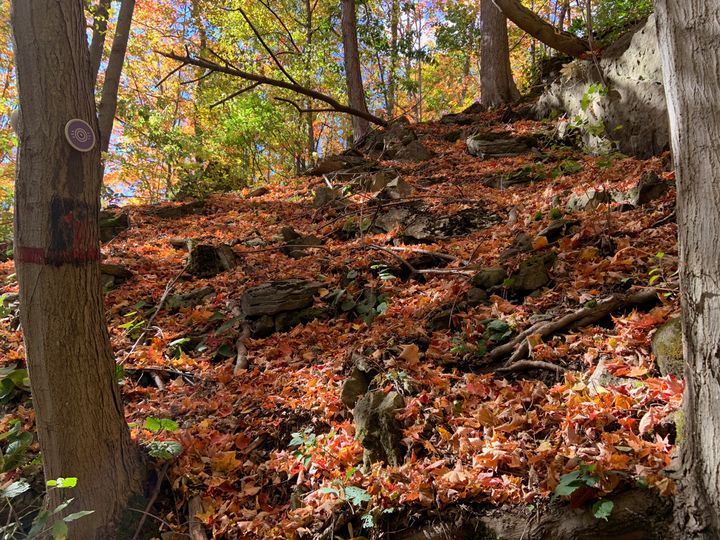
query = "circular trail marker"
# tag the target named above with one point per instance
(80, 135)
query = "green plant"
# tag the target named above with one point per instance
(555, 213)
(585, 477)
(383, 271)
(304, 443)
(18, 442)
(566, 167)
(660, 277)
(163, 450)
(47, 522)
(134, 327)
(14, 381)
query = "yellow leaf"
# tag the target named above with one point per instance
(539, 242)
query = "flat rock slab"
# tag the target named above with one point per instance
(279, 296)
(490, 145)
(377, 427)
(178, 211)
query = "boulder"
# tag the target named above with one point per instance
(258, 192)
(631, 112)
(190, 298)
(208, 261)
(389, 142)
(413, 151)
(521, 244)
(487, 278)
(278, 296)
(359, 380)
(396, 188)
(327, 196)
(113, 274)
(667, 346)
(588, 200)
(288, 320)
(557, 229)
(112, 223)
(336, 163)
(182, 210)
(294, 243)
(533, 274)
(649, 188)
(377, 428)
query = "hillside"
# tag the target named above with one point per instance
(487, 317)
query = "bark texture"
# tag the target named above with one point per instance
(108, 100)
(496, 82)
(688, 34)
(534, 25)
(353, 72)
(79, 414)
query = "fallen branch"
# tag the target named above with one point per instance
(402, 261)
(229, 70)
(584, 317)
(526, 365)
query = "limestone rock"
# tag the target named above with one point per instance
(589, 200)
(649, 188)
(258, 192)
(278, 296)
(414, 151)
(190, 298)
(633, 111)
(488, 278)
(112, 223)
(533, 274)
(377, 427)
(113, 274)
(178, 211)
(336, 163)
(490, 145)
(667, 346)
(294, 242)
(208, 261)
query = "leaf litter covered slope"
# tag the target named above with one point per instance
(271, 449)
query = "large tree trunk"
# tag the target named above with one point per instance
(108, 100)
(543, 31)
(353, 73)
(79, 413)
(496, 83)
(688, 33)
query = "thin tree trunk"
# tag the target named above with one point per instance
(108, 100)
(100, 21)
(353, 72)
(688, 34)
(564, 10)
(543, 31)
(392, 71)
(496, 83)
(79, 412)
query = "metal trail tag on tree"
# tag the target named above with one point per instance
(80, 135)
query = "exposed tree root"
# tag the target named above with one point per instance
(519, 348)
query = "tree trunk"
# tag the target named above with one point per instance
(392, 70)
(496, 82)
(108, 101)
(688, 33)
(353, 73)
(543, 31)
(79, 413)
(100, 20)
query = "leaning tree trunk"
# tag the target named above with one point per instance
(79, 413)
(688, 32)
(543, 31)
(101, 12)
(496, 82)
(108, 100)
(353, 73)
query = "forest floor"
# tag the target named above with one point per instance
(577, 410)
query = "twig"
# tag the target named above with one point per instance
(151, 501)
(406, 264)
(300, 109)
(437, 254)
(168, 288)
(234, 95)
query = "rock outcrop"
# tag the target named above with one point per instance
(630, 112)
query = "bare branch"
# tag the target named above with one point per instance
(235, 94)
(282, 23)
(300, 109)
(230, 70)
